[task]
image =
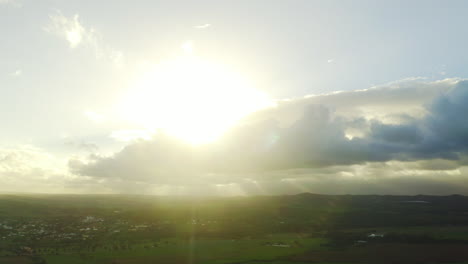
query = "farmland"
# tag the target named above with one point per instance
(305, 228)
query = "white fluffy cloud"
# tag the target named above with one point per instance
(407, 136)
(76, 34)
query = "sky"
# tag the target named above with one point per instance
(233, 97)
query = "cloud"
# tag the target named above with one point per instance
(81, 145)
(203, 26)
(410, 133)
(76, 34)
(131, 135)
(143, 159)
(397, 178)
(30, 168)
(27, 168)
(70, 29)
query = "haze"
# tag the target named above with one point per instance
(233, 98)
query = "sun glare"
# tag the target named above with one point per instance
(192, 99)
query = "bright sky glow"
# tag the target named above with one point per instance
(90, 86)
(191, 98)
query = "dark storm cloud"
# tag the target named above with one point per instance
(430, 125)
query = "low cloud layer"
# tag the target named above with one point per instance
(410, 133)
(29, 168)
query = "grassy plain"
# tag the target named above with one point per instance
(306, 228)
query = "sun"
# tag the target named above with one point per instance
(192, 99)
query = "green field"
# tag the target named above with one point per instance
(197, 251)
(307, 228)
